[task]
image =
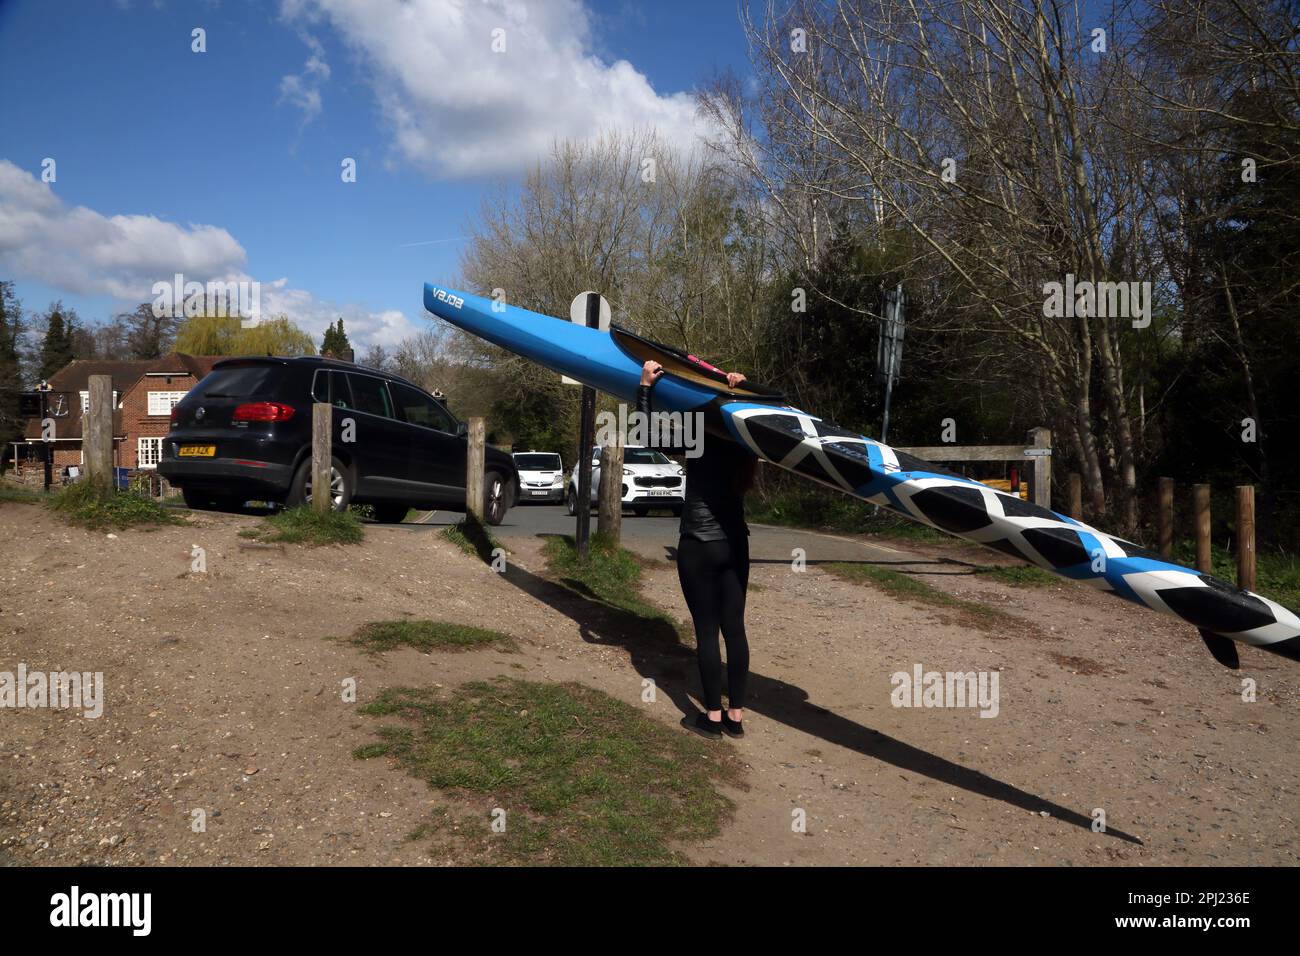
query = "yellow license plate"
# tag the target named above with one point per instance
(197, 451)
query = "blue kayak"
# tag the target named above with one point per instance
(761, 419)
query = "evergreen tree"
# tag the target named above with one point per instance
(56, 348)
(11, 377)
(335, 342)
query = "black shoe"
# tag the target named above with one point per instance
(701, 725)
(732, 728)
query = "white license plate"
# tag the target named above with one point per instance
(543, 492)
(659, 494)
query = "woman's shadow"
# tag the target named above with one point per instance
(656, 653)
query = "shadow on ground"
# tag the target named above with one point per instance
(654, 652)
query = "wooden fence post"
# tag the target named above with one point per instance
(97, 433)
(474, 464)
(322, 456)
(1042, 438)
(1201, 508)
(1246, 537)
(1074, 484)
(610, 506)
(1165, 515)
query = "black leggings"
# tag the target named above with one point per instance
(714, 576)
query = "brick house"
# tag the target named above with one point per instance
(144, 391)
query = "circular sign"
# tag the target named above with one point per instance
(578, 311)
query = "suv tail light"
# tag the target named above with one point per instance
(174, 415)
(262, 412)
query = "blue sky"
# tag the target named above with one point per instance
(227, 163)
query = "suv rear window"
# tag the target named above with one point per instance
(332, 388)
(370, 395)
(239, 381)
(419, 409)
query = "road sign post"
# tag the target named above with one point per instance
(586, 439)
(46, 446)
(889, 353)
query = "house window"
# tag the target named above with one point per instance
(161, 403)
(85, 401)
(147, 452)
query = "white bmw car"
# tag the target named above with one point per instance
(650, 480)
(541, 476)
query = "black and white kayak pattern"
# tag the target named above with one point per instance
(968, 509)
(852, 463)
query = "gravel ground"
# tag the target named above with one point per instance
(224, 694)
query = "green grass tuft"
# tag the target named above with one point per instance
(827, 511)
(472, 537)
(585, 779)
(100, 507)
(380, 636)
(909, 588)
(19, 495)
(305, 525)
(610, 574)
(1020, 576)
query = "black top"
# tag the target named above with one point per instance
(714, 509)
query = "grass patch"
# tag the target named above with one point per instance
(1020, 576)
(823, 511)
(380, 636)
(305, 525)
(100, 507)
(610, 574)
(909, 588)
(17, 494)
(585, 779)
(472, 536)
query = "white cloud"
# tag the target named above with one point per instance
(81, 251)
(455, 107)
(365, 327)
(303, 89)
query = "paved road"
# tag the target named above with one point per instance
(651, 535)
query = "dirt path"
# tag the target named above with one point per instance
(224, 694)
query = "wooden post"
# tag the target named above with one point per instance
(610, 520)
(97, 433)
(1042, 487)
(586, 429)
(322, 455)
(1201, 509)
(1074, 484)
(1165, 515)
(1246, 537)
(475, 496)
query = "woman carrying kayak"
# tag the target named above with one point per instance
(713, 564)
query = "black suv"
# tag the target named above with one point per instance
(244, 432)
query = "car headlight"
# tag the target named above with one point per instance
(627, 471)
(558, 480)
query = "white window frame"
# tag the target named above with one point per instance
(141, 455)
(85, 401)
(157, 400)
